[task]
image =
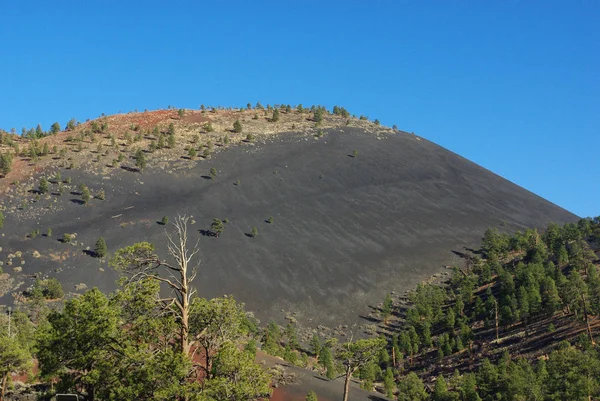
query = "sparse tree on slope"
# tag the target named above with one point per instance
(100, 248)
(355, 355)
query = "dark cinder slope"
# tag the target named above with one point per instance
(346, 230)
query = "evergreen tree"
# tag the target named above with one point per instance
(100, 248)
(315, 344)
(386, 309)
(43, 187)
(440, 391)
(140, 160)
(237, 127)
(5, 163)
(217, 227)
(411, 388)
(85, 195)
(55, 128)
(275, 117)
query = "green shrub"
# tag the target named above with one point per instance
(52, 289)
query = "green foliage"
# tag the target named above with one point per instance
(411, 388)
(5, 163)
(386, 309)
(275, 117)
(43, 186)
(236, 377)
(208, 127)
(140, 160)
(192, 153)
(100, 249)
(250, 138)
(67, 238)
(52, 289)
(254, 232)
(55, 128)
(85, 194)
(212, 173)
(217, 227)
(318, 115)
(311, 396)
(355, 153)
(1, 219)
(164, 221)
(270, 220)
(14, 357)
(237, 126)
(101, 195)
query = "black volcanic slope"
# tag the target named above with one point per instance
(346, 230)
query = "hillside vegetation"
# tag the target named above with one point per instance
(121, 235)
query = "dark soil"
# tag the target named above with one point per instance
(345, 230)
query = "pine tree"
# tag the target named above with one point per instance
(217, 227)
(275, 117)
(140, 160)
(100, 248)
(43, 187)
(440, 392)
(386, 309)
(237, 127)
(85, 194)
(55, 128)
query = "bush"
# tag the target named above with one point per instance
(192, 153)
(208, 127)
(101, 195)
(250, 137)
(254, 232)
(213, 173)
(355, 153)
(52, 289)
(67, 238)
(311, 396)
(1, 219)
(164, 221)
(85, 195)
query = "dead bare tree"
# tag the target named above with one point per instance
(139, 262)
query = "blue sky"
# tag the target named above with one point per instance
(511, 85)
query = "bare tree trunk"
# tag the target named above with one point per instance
(4, 381)
(347, 383)
(185, 308)
(496, 308)
(587, 320)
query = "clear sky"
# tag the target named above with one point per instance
(512, 85)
